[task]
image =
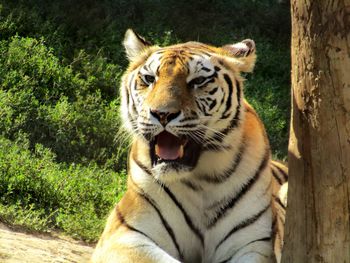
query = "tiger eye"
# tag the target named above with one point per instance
(196, 81)
(149, 79)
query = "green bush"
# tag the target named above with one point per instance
(57, 107)
(72, 197)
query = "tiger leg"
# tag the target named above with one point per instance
(257, 252)
(133, 234)
(130, 247)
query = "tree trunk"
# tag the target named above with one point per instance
(317, 224)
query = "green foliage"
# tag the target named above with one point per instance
(71, 197)
(57, 106)
(62, 149)
(30, 217)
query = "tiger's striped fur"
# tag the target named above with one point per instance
(202, 186)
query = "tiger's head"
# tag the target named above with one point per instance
(182, 100)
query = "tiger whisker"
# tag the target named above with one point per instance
(217, 133)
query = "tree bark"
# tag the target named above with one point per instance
(317, 221)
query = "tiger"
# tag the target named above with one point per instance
(201, 183)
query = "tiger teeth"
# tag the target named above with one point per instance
(181, 154)
(157, 150)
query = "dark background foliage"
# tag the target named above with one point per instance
(62, 156)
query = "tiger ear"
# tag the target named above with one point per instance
(134, 44)
(244, 54)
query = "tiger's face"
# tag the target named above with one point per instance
(182, 99)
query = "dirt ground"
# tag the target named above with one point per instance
(18, 246)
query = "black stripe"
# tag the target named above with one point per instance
(177, 203)
(247, 186)
(182, 63)
(160, 51)
(199, 54)
(208, 79)
(278, 200)
(217, 179)
(188, 119)
(274, 226)
(146, 124)
(200, 106)
(212, 80)
(265, 239)
(133, 124)
(150, 64)
(279, 180)
(131, 80)
(133, 103)
(229, 99)
(235, 120)
(207, 114)
(135, 85)
(187, 126)
(268, 188)
(284, 174)
(212, 105)
(164, 222)
(204, 100)
(243, 224)
(225, 261)
(262, 239)
(127, 96)
(146, 68)
(188, 220)
(213, 91)
(212, 77)
(223, 97)
(143, 167)
(124, 223)
(191, 185)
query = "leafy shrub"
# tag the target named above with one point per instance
(72, 197)
(57, 107)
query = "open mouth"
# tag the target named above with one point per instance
(170, 149)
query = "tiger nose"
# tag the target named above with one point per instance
(164, 117)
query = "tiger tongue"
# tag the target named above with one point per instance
(168, 146)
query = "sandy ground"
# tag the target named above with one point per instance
(17, 246)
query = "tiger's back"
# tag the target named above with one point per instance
(201, 186)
